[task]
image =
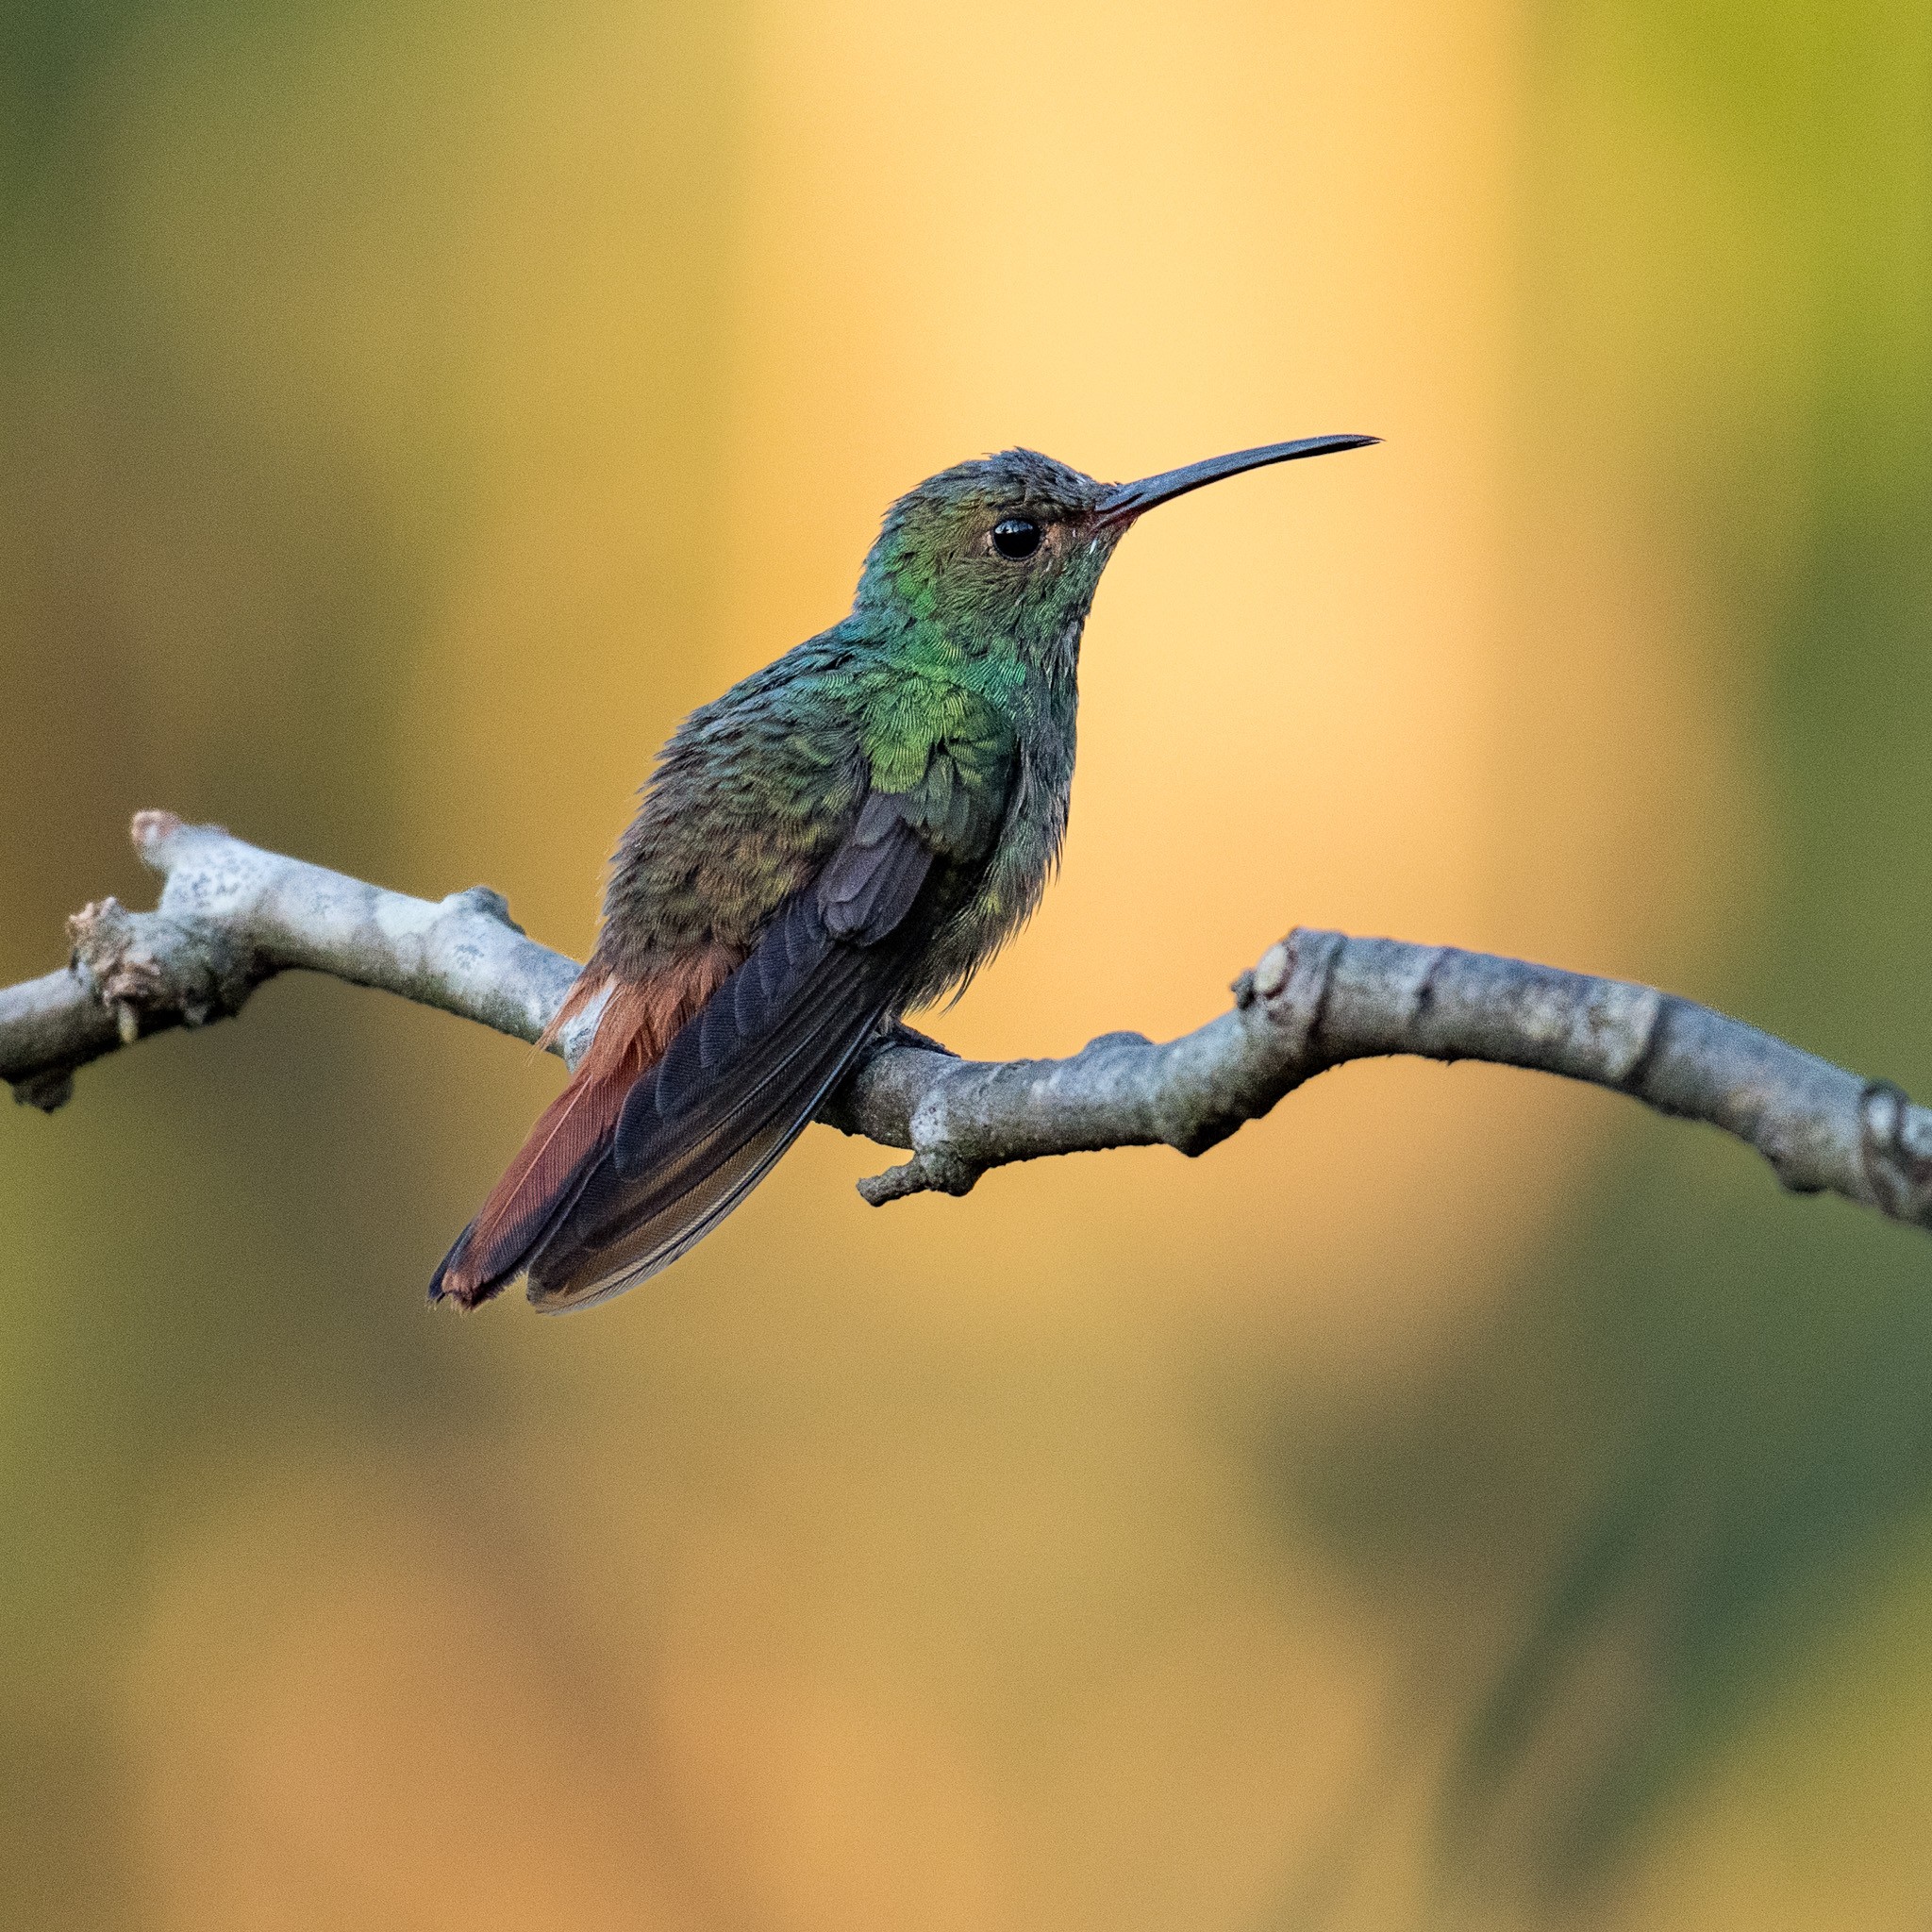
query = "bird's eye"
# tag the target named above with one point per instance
(1016, 537)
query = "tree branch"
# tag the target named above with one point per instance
(232, 916)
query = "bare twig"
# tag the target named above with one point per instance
(231, 916)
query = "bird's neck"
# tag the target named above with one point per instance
(995, 662)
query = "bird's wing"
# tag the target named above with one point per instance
(745, 1073)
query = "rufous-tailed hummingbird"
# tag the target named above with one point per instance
(847, 834)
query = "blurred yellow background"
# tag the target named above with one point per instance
(1458, 1500)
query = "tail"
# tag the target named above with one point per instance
(540, 1185)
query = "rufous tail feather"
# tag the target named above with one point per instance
(638, 1021)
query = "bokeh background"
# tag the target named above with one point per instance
(1458, 1500)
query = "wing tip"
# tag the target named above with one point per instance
(560, 1298)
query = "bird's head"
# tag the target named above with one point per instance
(1004, 552)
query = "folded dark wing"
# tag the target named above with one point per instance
(744, 1075)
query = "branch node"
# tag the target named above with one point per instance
(152, 832)
(108, 954)
(1300, 969)
(875, 1189)
(49, 1090)
(1896, 1151)
(931, 1171)
(148, 967)
(1650, 1047)
(488, 901)
(1271, 970)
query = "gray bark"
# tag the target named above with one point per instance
(232, 916)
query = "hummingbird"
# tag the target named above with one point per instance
(845, 836)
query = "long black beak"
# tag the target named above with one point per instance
(1125, 500)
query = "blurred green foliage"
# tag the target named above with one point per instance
(1704, 1408)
